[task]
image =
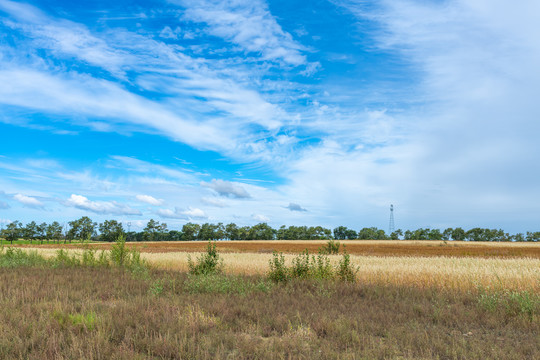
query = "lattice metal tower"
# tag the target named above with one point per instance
(391, 227)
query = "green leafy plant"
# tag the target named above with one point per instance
(345, 271)
(278, 270)
(208, 263)
(331, 247)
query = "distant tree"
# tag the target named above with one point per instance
(232, 231)
(54, 231)
(458, 234)
(14, 231)
(533, 236)
(81, 229)
(518, 237)
(190, 231)
(371, 233)
(342, 233)
(435, 234)
(175, 235)
(447, 234)
(42, 232)
(154, 231)
(110, 230)
(30, 231)
(396, 234)
(261, 231)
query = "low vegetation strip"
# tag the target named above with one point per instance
(354, 247)
(439, 272)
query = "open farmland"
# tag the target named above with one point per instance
(463, 273)
(354, 247)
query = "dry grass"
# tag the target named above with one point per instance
(439, 272)
(355, 247)
(104, 313)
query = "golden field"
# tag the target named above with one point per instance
(445, 272)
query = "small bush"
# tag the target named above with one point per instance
(345, 271)
(208, 263)
(16, 257)
(301, 267)
(63, 259)
(278, 270)
(305, 267)
(119, 252)
(331, 248)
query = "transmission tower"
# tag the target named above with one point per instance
(391, 227)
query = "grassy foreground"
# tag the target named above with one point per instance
(65, 310)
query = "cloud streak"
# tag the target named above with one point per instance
(100, 207)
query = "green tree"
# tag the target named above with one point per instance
(110, 230)
(154, 231)
(30, 231)
(42, 232)
(14, 231)
(232, 231)
(396, 234)
(81, 229)
(261, 231)
(190, 231)
(458, 234)
(54, 231)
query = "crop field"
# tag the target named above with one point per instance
(460, 273)
(354, 247)
(401, 306)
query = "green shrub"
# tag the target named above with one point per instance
(301, 267)
(331, 248)
(305, 267)
(119, 252)
(11, 257)
(321, 267)
(63, 259)
(278, 270)
(208, 263)
(345, 271)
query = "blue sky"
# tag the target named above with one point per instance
(288, 112)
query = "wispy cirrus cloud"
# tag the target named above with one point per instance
(247, 23)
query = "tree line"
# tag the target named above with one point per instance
(84, 229)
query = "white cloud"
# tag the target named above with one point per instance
(28, 201)
(110, 105)
(150, 200)
(214, 202)
(100, 207)
(171, 214)
(260, 218)
(195, 213)
(177, 213)
(227, 188)
(247, 23)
